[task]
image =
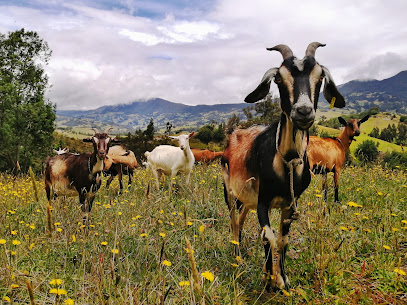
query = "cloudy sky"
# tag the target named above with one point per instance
(202, 51)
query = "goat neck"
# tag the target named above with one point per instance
(290, 139)
(95, 164)
(344, 140)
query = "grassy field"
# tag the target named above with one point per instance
(135, 250)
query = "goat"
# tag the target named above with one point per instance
(205, 155)
(267, 167)
(78, 174)
(328, 154)
(169, 160)
(120, 161)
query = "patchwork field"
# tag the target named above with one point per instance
(135, 250)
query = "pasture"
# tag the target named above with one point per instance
(135, 250)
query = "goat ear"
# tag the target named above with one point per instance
(342, 121)
(331, 93)
(364, 119)
(263, 89)
(115, 140)
(191, 134)
(87, 140)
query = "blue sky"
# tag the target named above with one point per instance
(201, 52)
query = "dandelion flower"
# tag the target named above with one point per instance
(14, 286)
(162, 234)
(143, 234)
(189, 223)
(400, 271)
(57, 291)
(69, 302)
(2, 241)
(208, 275)
(234, 242)
(354, 204)
(115, 251)
(104, 243)
(343, 228)
(6, 299)
(13, 232)
(184, 283)
(386, 247)
(201, 228)
(55, 282)
(166, 263)
(16, 242)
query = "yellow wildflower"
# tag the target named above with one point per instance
(386, 247)
(2, 241)
(234, 242)
(115, 251)
(55, 282)
(184, 283)
(166, 263)
(208, 275)
(16, 242)
(400, 271)
(162, 234)
(69, 302)
(57, 291)
(201, 228)
(104, 243)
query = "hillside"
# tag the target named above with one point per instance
(138, 114)
(388, 95)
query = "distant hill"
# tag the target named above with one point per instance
(388, 94)
(137, 114)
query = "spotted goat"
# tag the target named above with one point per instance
(266, 167)
(78, 174)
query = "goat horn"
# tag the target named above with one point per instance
(283, 49)
(95, 130)
(108, 129)
(312, 48)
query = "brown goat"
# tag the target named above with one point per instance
(205, 155)
(328, 154)
(120, 161)
(78, 174)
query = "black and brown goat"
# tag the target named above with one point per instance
(120, 161)
(328, 154)
(267, 167)
(78, 174)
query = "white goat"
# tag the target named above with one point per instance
(171, 160)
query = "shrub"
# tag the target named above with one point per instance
(367, 151)
(395, 159)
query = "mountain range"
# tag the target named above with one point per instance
(388, 95)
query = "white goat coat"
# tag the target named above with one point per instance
(171, 160)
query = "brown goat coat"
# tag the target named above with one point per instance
(329, 154)
(205, 155)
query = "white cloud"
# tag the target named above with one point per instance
(203, 56)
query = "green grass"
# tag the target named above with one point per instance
(338, 254)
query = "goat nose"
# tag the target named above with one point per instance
(304, 110)
(357, 132)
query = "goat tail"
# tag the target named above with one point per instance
(146, 154)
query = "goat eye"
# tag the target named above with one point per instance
(321, 78)
(278, 80)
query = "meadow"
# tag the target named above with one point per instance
(136, 250)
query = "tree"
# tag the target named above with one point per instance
(389, 133)
(266, 111)
(375, 133)
(26, 118)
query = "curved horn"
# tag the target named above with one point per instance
(95, 130)
(312, 48)
(283, 49)
(108, 129)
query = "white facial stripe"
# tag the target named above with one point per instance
(107, 140)
(314, 79)
(288, 81)
(299, 64)
(96, 140)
